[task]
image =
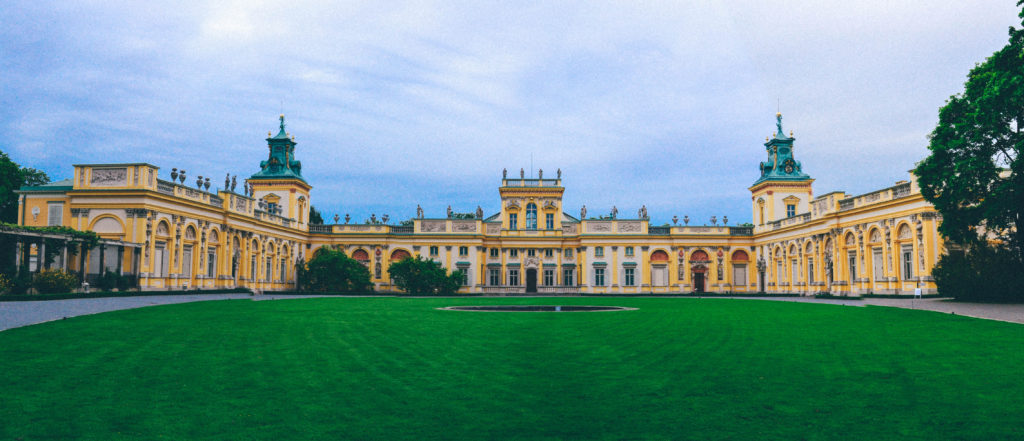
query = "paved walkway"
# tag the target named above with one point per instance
(16, 314)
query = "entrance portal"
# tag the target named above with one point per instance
(531, 280)
(698, 282)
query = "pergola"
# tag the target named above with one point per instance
(25, 239)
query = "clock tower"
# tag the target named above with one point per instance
(783, 190)
(279, 184)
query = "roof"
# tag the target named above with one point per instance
(62, 185)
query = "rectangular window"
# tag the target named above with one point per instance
(531, 252)
(186, 261)
(513, 253)
(795, 275)
(879, 265)
(567, 279)
(629, 279)
(513, 220)
(211, 262)
(739, 275)
(810, 270)
(160, 259)
(252, 269)
(549, 222)
(282, 276)
(55, 215)
(270, 270)
(465, 275)
(853, 265)
(513, 277)
(494, 252)
(629, 251)
(549, 253)
(433, 251)
(908, 262)
(494, 276)
(568, 253)
(463, 251)
(790, 210)
(549, 277)
(599, 251)
(598, 276)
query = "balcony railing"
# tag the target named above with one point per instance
(319, 228)
(900, 191)
(741, 231)
(659, 230)
(402, 230)
(509, 290)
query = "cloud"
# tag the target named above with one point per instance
(393, 104)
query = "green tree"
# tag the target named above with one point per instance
(10, 180)
(315, 217)
(424, 276)
(13, 177)
(32, 177)
(974, 174)
(331, 270)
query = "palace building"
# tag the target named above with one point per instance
(173, 235)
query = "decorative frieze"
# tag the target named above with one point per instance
(109, 177)
(435, 226)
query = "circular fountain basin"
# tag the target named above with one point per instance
(537, 308)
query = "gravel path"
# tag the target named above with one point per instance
(16, 314)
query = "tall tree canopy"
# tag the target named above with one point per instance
(315, 217)
(975, 175)
(13, 177)
(975, 178)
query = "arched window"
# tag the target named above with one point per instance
(531, 216)
(399, 254)
(361, 256)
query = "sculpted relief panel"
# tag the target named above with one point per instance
(629, 227)
(569, 229)
(493, 229)
(464, 227)
(599, 227)
(432, 226)
(109, 177)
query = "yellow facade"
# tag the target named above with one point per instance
(177, 236)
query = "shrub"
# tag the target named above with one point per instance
(21, 283)
(5, 283)
(108, 281)
(126, 282)
(424, 276)
(980, 272)
(54, 281)
(332, 271)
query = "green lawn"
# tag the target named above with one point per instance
(396, 368)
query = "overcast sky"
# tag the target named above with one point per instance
(396, 104)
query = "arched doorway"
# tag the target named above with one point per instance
(699, 261)
(659, 268)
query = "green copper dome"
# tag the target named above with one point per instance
(781, 166)
(281, 163)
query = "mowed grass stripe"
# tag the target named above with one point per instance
(394, 368)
